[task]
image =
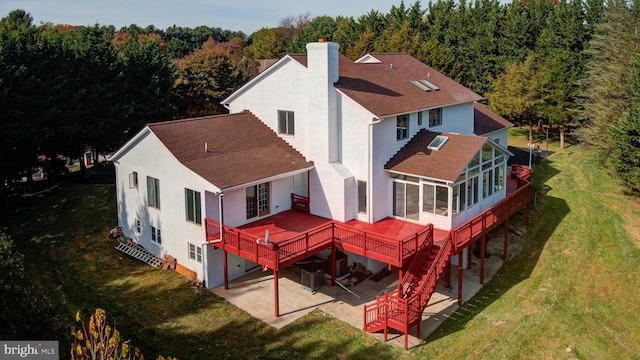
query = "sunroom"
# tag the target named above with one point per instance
(446, 178)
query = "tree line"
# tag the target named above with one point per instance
(567, 64)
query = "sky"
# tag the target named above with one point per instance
(236, 15)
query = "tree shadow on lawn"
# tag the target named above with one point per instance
(162, 314)
(543, 222)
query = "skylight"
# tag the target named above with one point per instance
(425, 85)
(437, 142)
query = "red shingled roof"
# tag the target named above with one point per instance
(486, 121)
(241, 149)
(444, 164)
(385, 88)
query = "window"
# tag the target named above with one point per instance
(138, 226)
(487, 183)
(133, 180)
(472, 191)
(155, 235)
(285, 122)
(362, 197)
(435, 117)
(193, 207)
(402, 127)
(153, 192)
(195, 253)
(459, 197)
(406, 200)
(419, 118)
(257, 200)
(498, 180)
(435, 199)
(487, 153)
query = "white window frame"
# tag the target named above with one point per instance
(362, 197)
(435, 117)
(402, 127)
(156, 236)
(288, 126)
(153, 192)
(194, 208)
(133, 180)
(195, 253)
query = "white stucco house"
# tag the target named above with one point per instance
(385, 136)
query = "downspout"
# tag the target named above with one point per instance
(370, 170)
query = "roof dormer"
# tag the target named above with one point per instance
(368, 59)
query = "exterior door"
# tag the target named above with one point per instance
(406, 200)
(263, 199)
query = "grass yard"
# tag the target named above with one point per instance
(574, 285)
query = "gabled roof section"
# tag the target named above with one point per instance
(385, 87)
(268, 70)
(486, 121)
(445, 164)
(368, 59)
(241, 149)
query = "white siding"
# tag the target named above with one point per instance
(284, 89)
(149, 157)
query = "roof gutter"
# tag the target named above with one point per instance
(264, 180)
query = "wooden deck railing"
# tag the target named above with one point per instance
(279, 255)
(402, 309)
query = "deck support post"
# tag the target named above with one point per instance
(419, 321)
(483, 249)
(333, 266)
(460, 282)
(226, 271)
(276, 297)
(447, 273)
(400, 280)
(506, 239)
(386, 315)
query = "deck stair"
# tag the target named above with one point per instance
(138, 252)
(402, 309)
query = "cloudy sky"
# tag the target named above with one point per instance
(244, 15)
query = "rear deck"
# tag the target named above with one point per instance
(294, 236)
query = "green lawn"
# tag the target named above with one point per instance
(574, 285)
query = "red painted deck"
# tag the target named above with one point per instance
(283, 226)
(297, 235)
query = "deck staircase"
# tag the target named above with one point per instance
(402, 309)
(139, 253)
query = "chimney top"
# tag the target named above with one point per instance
(322, 40)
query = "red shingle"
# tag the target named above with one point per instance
(444, 164)
(486, 121)
(241, 149)
(385, 88)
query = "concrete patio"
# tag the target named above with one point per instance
(254, 294)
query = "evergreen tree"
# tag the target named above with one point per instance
(625, 136)
(516, 93)
(321, 27)
(268, 44)
(607, 90)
